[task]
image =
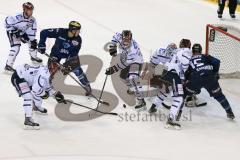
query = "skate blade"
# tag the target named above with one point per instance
(168, 126)
(40, 113)
(142, 109)
(27, 127)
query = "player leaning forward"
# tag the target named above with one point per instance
(21, 28)
(34, 84)
(67, 45)
(130, 59)
(203, 73)
(174, 75)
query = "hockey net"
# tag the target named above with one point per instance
(223, 42)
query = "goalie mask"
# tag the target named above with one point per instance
(126, 38)
(170, 49)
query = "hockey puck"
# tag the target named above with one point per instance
(124, 106)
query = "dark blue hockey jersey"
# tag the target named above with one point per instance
(64, 47)
(204, 65)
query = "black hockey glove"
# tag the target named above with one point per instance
(33, 44)
(24, 38)
(113, 50)
(60, 98)
(45, 96)
(41, 49)
(111, 70)
(15, 33)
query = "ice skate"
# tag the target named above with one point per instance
(153, 109)
(171, 124)
(29, 124)
(8, 69)
(141, 106)
(230, 114)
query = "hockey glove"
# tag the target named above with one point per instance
(15, 33)
(42, 49)
(33, 44)
(113, 50)
(45, 96)
(111, 70)
(24, 38)
(60, 98)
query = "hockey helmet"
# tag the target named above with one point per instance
(126, 38)
(170, 48)
(28, 5)
(185, 43)
(197, 48)
(74, 25)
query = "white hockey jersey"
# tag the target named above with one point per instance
(26, 25)
(129, 55)
(160, 57)
(180, 61)
(37, 77)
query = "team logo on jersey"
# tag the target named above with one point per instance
(66, 45)
(75, 43)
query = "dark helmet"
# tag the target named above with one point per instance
(28, 5)
(126, 37)
(197, 48)
(74, 25)
(185, 43)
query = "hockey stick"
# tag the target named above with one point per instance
(196, 105)
(62, 67)
(102, 89)
(109, 113)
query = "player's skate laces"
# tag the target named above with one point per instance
(30, 124)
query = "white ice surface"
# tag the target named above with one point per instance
(154, 23)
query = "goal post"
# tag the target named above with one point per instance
(223, 42)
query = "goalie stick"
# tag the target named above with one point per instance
(61, 67)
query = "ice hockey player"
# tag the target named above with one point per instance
(174, 76)
(232, 4)
(159, 58)
(203, 73)
(67, 45)
(33, 83)
(21, 28)
(131, 60)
